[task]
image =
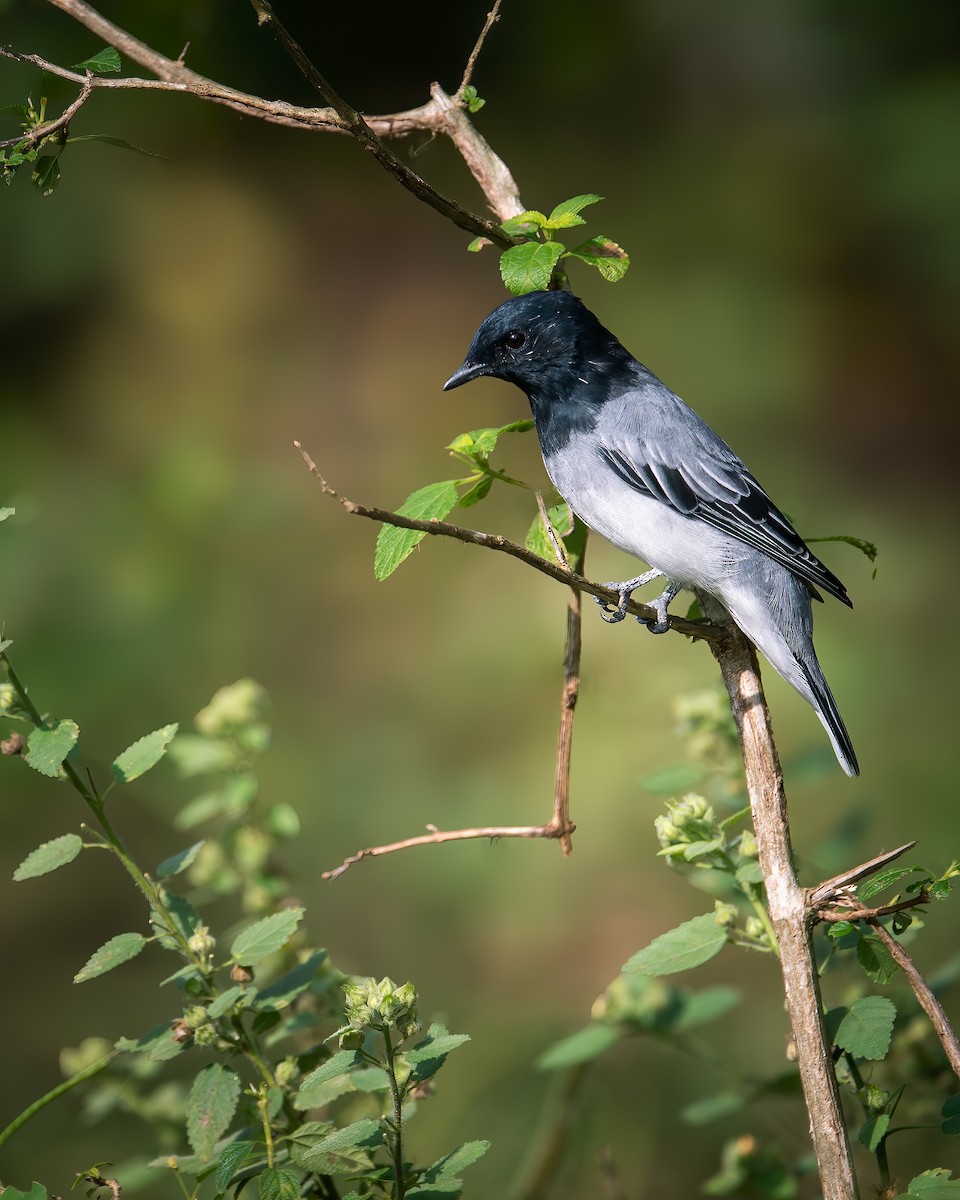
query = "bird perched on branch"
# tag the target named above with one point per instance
(642, 469)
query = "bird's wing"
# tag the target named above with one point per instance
(664, 450)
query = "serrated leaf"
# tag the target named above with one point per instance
(524, 223)
(279, 1183)
(115, 141)
(228, 1000)
(583, 1046)
(117, 950)
(611, 260)
(37, 1192)
(430, 503)
(529, 268)
(840, 929)
(104, 62)
(339, 1064)
(873, 1131)
(872, 887)
(934, 1184)
(285, 989)
(47, 748)
(749, 872)
(232, 1158)
(435, 1044)
(210, 1108)
(481, 443)
(566, 214)
(323, 1156)
(48, 857)
(145, 753)
(713, 1108)
(876, 960)
(179, 862)
(450, 1166)
(866, 1029)
(690, 944)
(265, 937)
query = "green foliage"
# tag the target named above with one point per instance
(437, 500)
(266, 1010)
(866, 1027)
(534, 264)
(472, 101)
(689, 945)
(935, 1184)
(104, 62)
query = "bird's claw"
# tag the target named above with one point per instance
(624, 590)
(660, 606)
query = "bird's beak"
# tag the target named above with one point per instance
(464, 374)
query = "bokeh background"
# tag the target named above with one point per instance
(786, 180)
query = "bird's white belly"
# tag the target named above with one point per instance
(684, 549)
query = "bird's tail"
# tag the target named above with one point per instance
(826, 709)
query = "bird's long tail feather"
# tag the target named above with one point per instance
(829, 714)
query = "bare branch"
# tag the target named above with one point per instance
(492, 17)
(495, 541)
(825, 891)
(787, 902)
(437, 837)
(924, 993)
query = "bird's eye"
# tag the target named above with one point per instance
(515, 339)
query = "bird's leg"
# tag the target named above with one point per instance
(660, 606)
(626, 589)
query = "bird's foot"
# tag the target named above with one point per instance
(625, 590)
(660, 606)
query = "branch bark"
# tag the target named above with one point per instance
(789, 913)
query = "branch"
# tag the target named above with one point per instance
(831, 888)
(494, 541)
(788, 912)
(440, 114)
(492, 17)
(30, 137)
(924, 993)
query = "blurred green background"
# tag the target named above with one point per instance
(786, 180)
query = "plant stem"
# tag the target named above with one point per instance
(55, 1093)
(397, 1147)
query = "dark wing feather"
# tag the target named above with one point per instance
(703, 478)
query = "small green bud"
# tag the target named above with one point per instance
(689, 820)
(195, 1016)
(202, 942)
(287, 1072)
(727, 914)
(748, 844)
(206, 1035)
(875, 1098)
(755, 928)
(235, 705)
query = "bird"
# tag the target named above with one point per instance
(640, 467)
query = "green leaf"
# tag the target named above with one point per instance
(282, 991)
(873, 1131)
(37, 1192)
(234, 997)
(430, 503)
(179, 862)
(450, 1166)
(232, 1158)
(476, 493)
(145, 753)
(478, 243)
(610, 259)
(279, 1183)
(46, 174)
(119, 949)
(872, 887)
(567, 212)
(471, 99)
(951, 1115)
(584, 1046)
(339, 1064)
(840, 929)
(524, 223)
(104, 62)
(331, 1155)
(529, 268)
(115, 141)
(876, 960)
(934, 1184)
(265, 937)
(866, 1029)
(713, 1108)
(48, 857)
(538, 539)
(481, 443)
(437, 1042)
(6, 512)
(210, 1108)
(690, 944)
(47, 748)
(701, 1007)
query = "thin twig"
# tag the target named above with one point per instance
(437, 837)
(30, 137)
(492, 17)
(924, 993)
(495, 541)
(861, 912)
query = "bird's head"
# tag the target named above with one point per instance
(544, 342)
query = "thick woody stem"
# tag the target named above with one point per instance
(789, 913)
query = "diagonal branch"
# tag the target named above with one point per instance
(492, 17)
(30, 137)
(495, 541)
